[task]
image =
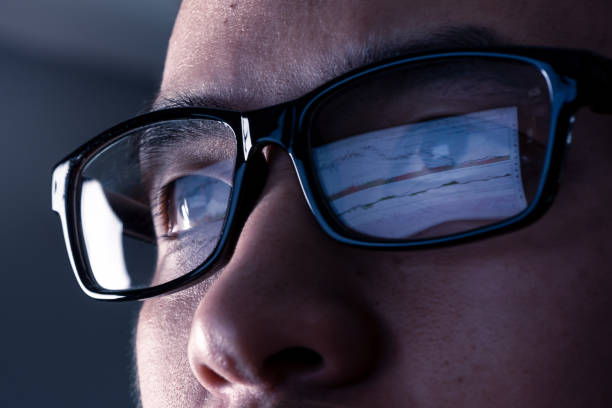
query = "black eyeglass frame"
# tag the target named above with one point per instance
(576, 78)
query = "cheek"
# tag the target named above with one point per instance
(164, 376)
(516, 316)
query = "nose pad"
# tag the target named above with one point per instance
(253, 182)
(568, 143)
(252, 185)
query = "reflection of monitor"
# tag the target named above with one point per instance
(464, 167)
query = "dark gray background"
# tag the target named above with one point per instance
(68, 70)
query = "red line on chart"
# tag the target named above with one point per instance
(414, 174)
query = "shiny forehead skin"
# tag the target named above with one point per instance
(253, 53)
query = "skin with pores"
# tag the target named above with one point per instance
(521, 319)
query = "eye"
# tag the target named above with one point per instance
(196, 201)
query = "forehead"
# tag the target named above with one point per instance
(253, 53)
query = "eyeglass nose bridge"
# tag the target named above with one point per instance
(272, 125)
(278, 125)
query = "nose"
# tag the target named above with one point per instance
(286, 312)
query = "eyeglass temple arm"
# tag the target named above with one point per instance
(594, 76)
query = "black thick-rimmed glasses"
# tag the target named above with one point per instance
(418, 151)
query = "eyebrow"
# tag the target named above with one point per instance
(447, 38)
(157, 143)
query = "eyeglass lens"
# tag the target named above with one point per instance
(153, 204)
(432, 148)
(423, 150)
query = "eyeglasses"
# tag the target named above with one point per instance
(418, 151)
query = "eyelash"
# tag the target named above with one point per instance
(161, 206)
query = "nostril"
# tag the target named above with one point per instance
(210, 377)
(292, 363)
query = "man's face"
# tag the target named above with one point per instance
(293, 317)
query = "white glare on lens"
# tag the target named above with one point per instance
(103, 232)
(185, 215)
(400, 181)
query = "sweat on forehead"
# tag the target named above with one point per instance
(259, 52)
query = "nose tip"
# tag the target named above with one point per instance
(323, 345)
